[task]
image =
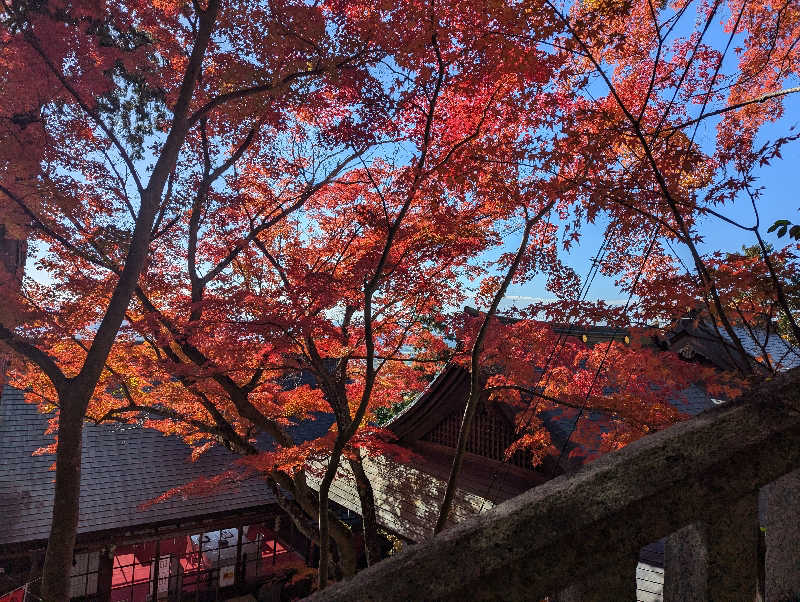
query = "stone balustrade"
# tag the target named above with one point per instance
(697, 482)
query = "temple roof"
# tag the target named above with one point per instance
(690, 337)
(122, 467)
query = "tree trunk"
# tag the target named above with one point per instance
(475, 385)
(324, 520)
(324, 532)
(61, 543)
(343, 538)
(372, 544)
(308, 502)
(77, 392)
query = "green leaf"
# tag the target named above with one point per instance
(778, 224)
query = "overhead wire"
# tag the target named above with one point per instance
(585, 286)
(562, 336)
(610, 342)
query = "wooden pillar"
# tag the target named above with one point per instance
(782, 555)
(716, 560)
(105, 574)
(615, 584)
(35, 572)
(154, 575)
(175, 574)
(238, 572)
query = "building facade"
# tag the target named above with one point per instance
(196, 548)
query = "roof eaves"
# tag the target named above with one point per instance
(419, 398)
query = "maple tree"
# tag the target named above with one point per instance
(661, 85)
(629, 153)
(270, 254)
(342, 288)
(103, 106)
(226, 196)
(40, 121)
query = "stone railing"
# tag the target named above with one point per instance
(697, 482)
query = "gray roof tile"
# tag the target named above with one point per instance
(782, 355)
(122, 467)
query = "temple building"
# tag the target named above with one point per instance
(408, 494)
(196, 548)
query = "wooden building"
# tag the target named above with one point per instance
(199, 548)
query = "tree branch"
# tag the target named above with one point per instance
(37, 356)
(733, 107)
(476, 386)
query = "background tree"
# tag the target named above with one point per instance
(756, 303)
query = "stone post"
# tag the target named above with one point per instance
(783, 538)
(733, 551)
(616, 584)
(716, 559)
(685, 564)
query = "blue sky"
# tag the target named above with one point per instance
(779, 201)
(779, 198)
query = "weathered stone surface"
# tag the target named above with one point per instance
(783, 538)
(732, 541)
(584, 523)
(615, 584)
(715, 559)
(686, 565)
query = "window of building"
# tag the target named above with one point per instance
(199, 564)
(262, 552)
(85, 567)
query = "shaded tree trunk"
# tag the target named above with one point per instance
(324, 520)
(60, 546)
(308, 503)
(369, 520)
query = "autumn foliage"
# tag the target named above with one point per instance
(224, 198)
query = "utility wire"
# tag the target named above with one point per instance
(587, 283)
(608, 346)
(562, 337)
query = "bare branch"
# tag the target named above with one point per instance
(733, 107)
